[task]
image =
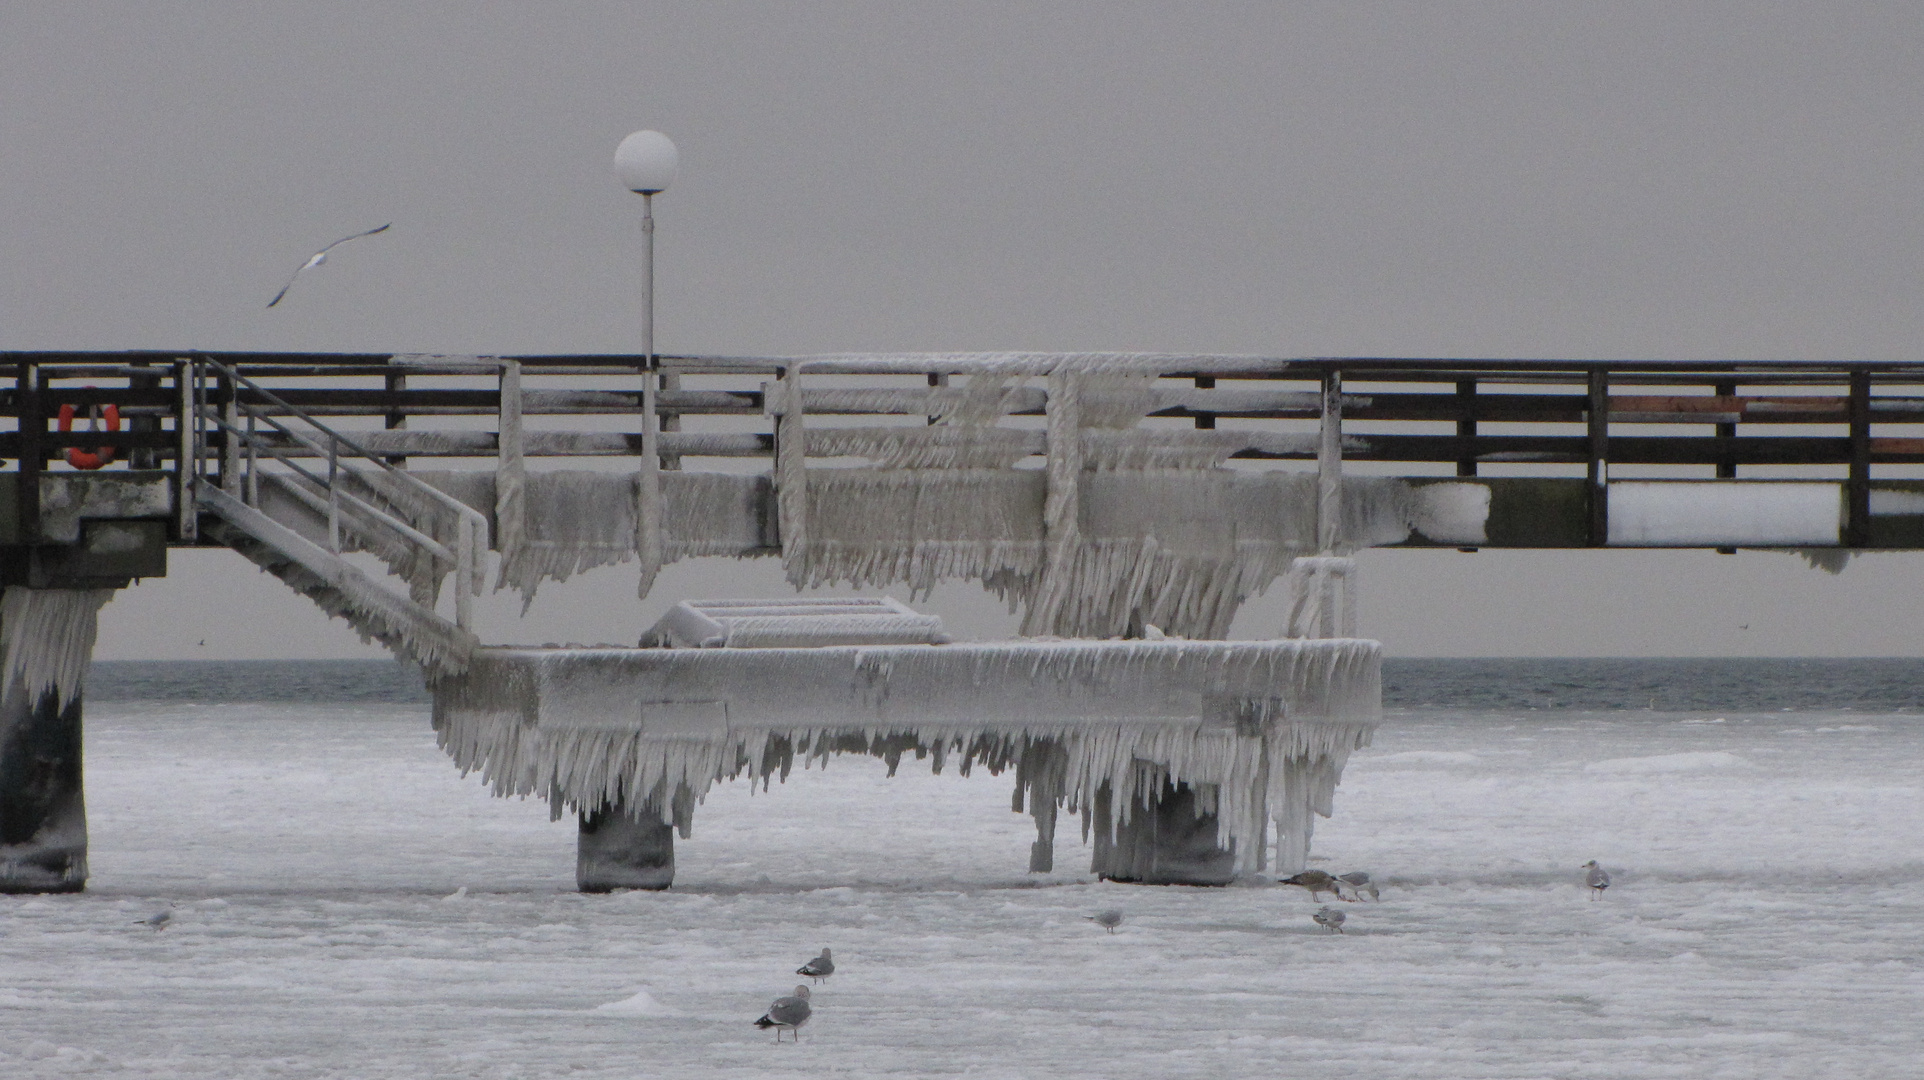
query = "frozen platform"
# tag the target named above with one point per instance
(1243, 735)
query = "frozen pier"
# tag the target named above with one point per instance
(1105, 496)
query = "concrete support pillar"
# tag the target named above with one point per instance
(46, 640)
(1171, 841)
(617, 851)
(43, 816)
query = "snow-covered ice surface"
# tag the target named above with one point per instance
(1768, 889)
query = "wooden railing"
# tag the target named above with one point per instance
(1467, 417)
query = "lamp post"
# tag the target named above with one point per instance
(645, 163)
(623, 846)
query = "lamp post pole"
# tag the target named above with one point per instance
(648, 278)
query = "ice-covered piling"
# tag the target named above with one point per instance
(46, 641)
(617, 850)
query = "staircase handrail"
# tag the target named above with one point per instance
(471, 539)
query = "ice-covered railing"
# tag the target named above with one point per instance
(1124, 526)
(369, 506)
(1260, 730)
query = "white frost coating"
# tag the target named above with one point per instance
(409, 630)
(1747, 513)
(575, 521)
(510, 486)
(1890, 502)
(769, 624)
(1180, 548)
(46, 641)
(1451, 513)
(648, 501)
(1322, 597)
(1261, 730)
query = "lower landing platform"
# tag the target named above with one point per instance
(1188, 755)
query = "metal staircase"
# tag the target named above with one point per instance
(296, 521)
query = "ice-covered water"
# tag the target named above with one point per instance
(1762, 922)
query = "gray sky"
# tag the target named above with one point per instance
(1548, 179)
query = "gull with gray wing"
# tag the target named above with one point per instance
(320, 257)
(789, 1012)
(1597, 878)
(819, 968)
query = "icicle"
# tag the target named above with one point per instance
(1274, 756)
(47, 639)
(1829, 560)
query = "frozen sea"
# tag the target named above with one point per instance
(346, 904)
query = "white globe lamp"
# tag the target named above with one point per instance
(646, 161)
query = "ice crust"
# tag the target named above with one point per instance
(1121, 526)
(1260, 729)
(1735, 514)
(47, 640)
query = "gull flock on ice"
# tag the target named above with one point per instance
(791, 1011)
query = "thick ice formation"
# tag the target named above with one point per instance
(1122, 527)
(47, 640)
(1260, 730)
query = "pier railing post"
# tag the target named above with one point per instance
(1857, 513)
(186, 455)
(33, 429)
(1597, 414)
(1329, 467)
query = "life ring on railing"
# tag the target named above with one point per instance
(100, 455)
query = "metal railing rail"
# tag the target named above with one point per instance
(469, 552)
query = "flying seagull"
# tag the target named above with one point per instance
(789, 1012)
(321, 257)
(1108, 920)
(1597, 878)
(1330, 917)
(819, 968)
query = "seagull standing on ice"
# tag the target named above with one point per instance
(789, 1012)
(819, 968)
(1597, 878)
(158, 920)
(1330, 917)
(1356, 884)
(1108, 920)
(1316, 881)
(320, 257)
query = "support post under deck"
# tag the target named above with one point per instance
(43, 816)
(616, 851)
(1168, 842)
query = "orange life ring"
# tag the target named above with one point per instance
(101, 455)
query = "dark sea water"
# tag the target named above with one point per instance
(1680, 685)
